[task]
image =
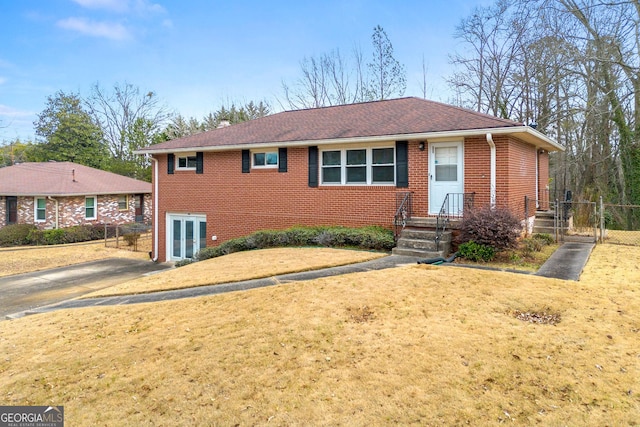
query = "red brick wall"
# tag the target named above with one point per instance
(477, 169)
(237, 204)
(522, 163)
(543, 179)
(71, 211)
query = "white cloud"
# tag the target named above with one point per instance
(144, 6)
(13, 112)
(3, 80)
(115, 5)
(113, 31)
(141, 7)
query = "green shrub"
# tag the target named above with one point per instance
(545, 238)
(183, 262)
(532, 245)
(496, 227)
(476, 252)
(59, 236)
(16, 234)
(54, 237)
(375, 238)
(78, 233)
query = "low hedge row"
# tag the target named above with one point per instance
(26, 234)
(370, 238)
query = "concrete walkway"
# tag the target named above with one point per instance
(566, 263)
(377, 264)
(23, 292)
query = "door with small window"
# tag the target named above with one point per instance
(445, 173)
(11, 210)
(187, 234)
(139, 207)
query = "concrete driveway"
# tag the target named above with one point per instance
(28, 291)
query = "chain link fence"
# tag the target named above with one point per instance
(586, 221)
(620, 224)
(133, 237)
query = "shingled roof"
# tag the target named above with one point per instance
(65, 179)
(395, 119)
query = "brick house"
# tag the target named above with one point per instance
(64, 194)
(343, 165)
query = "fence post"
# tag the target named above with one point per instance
(105, 234)
(601, 220)
(556, 219)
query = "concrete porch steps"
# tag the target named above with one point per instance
(418, 239)
(544, 222)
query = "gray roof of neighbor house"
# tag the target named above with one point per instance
(395, 119)
(65, 179)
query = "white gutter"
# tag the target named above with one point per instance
(527, 133)
(492, 145)
(57, 210)
(155, 209)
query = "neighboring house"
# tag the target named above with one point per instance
(64, 194)
(343, 165)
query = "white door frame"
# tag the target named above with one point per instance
(437, 192)
(194, 245)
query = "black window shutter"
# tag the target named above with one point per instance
(282, 159)
(313, 166)
(246, 161)
(402, 164)
(171, 160)
(199, 162)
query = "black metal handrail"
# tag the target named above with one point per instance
(404, 210)
(454, 205)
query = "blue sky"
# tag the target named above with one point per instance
(197, 55)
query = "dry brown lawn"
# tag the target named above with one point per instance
(412, 345)
(240, 266)
(34, 258)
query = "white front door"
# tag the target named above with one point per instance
(186, 235)
(445, 173)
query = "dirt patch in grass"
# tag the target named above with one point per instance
(240, 266)
(35, 258)
(412, 345)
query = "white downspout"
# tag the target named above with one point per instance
(155, 209)
(492, 171)
(537, 179)
(57, 210)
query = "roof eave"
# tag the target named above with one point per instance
(525, 133)
(99, 193)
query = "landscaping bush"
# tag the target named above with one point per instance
(16, 234)
(476, 252)
(547, 239)
(532, 245)
(375, 238)
(498, 228)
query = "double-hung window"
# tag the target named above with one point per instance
(123, 202)
(40, 212)
(265, 159)
(90, 207)
(358, 166)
